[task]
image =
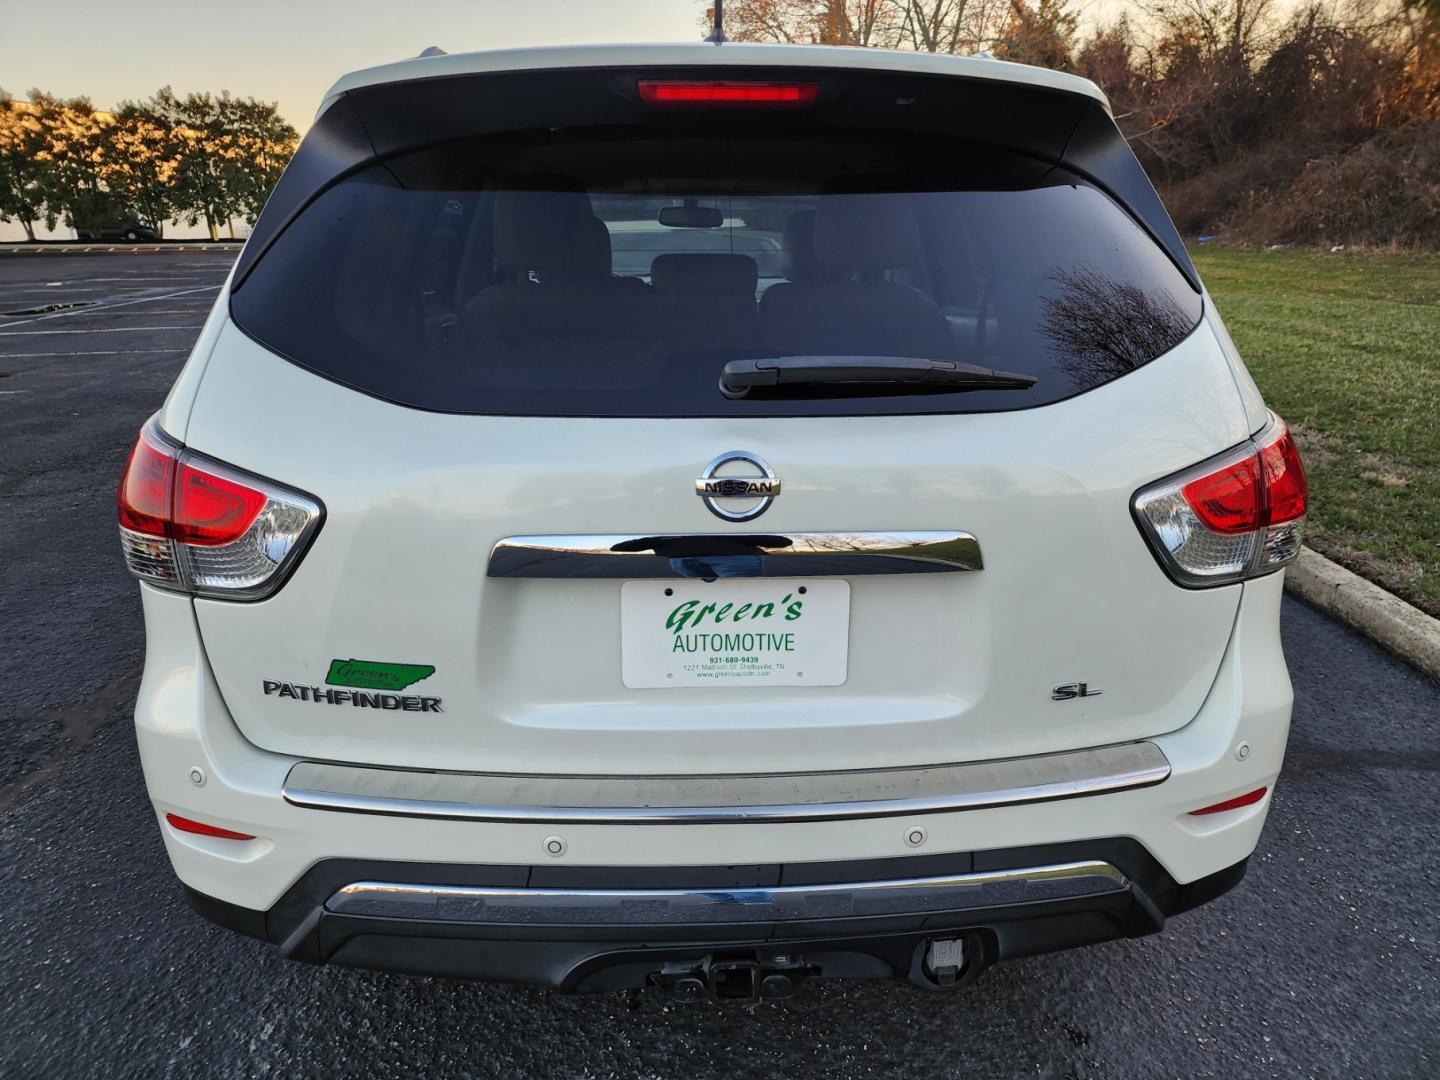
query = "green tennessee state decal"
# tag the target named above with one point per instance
(374, 675)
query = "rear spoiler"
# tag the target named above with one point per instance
(1057, 128)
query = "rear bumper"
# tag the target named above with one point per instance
(608, 928)
(752, 799)
(199, 766)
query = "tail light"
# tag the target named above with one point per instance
(1233, 517)
(727, 94)
(202, 527)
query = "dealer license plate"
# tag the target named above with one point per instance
(734, 632)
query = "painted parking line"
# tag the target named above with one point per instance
(170, 281)
(161, 311)
(24, 310)
(97, 352)
(150, 313)
(10, 302)
(18, 301)
(112, 291)
(119, 303)
(152, 248)
(98, 330)
(106, 292)
(169, 275)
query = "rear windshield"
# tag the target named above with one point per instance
(595, 274)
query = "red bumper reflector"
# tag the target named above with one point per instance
(762, 94)
(199, 828)
(1249, 799)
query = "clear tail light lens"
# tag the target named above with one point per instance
(1232, 517)
(206, 528)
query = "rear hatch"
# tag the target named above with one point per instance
(553, 543)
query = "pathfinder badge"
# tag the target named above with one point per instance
(358, 698)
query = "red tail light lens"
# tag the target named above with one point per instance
(197, 508)
(203, 527)
(211, 510)
(1228, 501)
(1286, 489)
(143, 501)
(1233, 517)
(701, 93)
(199, 828)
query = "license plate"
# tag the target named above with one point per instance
(734, 632)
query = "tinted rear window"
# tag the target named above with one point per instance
(604, 274)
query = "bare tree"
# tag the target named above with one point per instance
(1040, 32)
(950, 26)
(815, 22)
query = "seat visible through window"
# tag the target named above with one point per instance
(849, 293)
(706, 301)
(554, 308)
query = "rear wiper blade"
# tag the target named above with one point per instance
(739, 376)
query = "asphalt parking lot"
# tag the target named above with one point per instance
(1325, 962)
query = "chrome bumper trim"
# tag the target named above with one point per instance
(703, 555)
(782, 903)
(694, 800)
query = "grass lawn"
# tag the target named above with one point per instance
(1347, 349)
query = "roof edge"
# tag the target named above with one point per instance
(703, 53)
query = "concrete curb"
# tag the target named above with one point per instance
(1384, 618)
(115, 249)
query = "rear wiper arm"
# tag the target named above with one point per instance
(739, 376)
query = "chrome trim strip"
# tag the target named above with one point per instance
(782, 903)
(694, 800)
(847, 554)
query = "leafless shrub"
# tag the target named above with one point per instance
(1259, 121)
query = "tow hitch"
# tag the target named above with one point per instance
(948, 963)
(944, 960)
(746, 978)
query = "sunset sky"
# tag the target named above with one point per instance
(291, 51)
(288, 51)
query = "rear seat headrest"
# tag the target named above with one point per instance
(797, 246)
(598, 259)
(866, 232)
(542, 230)
(589, 260)
(705, 272)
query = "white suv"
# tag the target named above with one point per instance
(709, 517)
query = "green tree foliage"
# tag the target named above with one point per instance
(22, 173)
(201, 157)
(142, 164)
(230, 152)
(73, 137)
(265, 142)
